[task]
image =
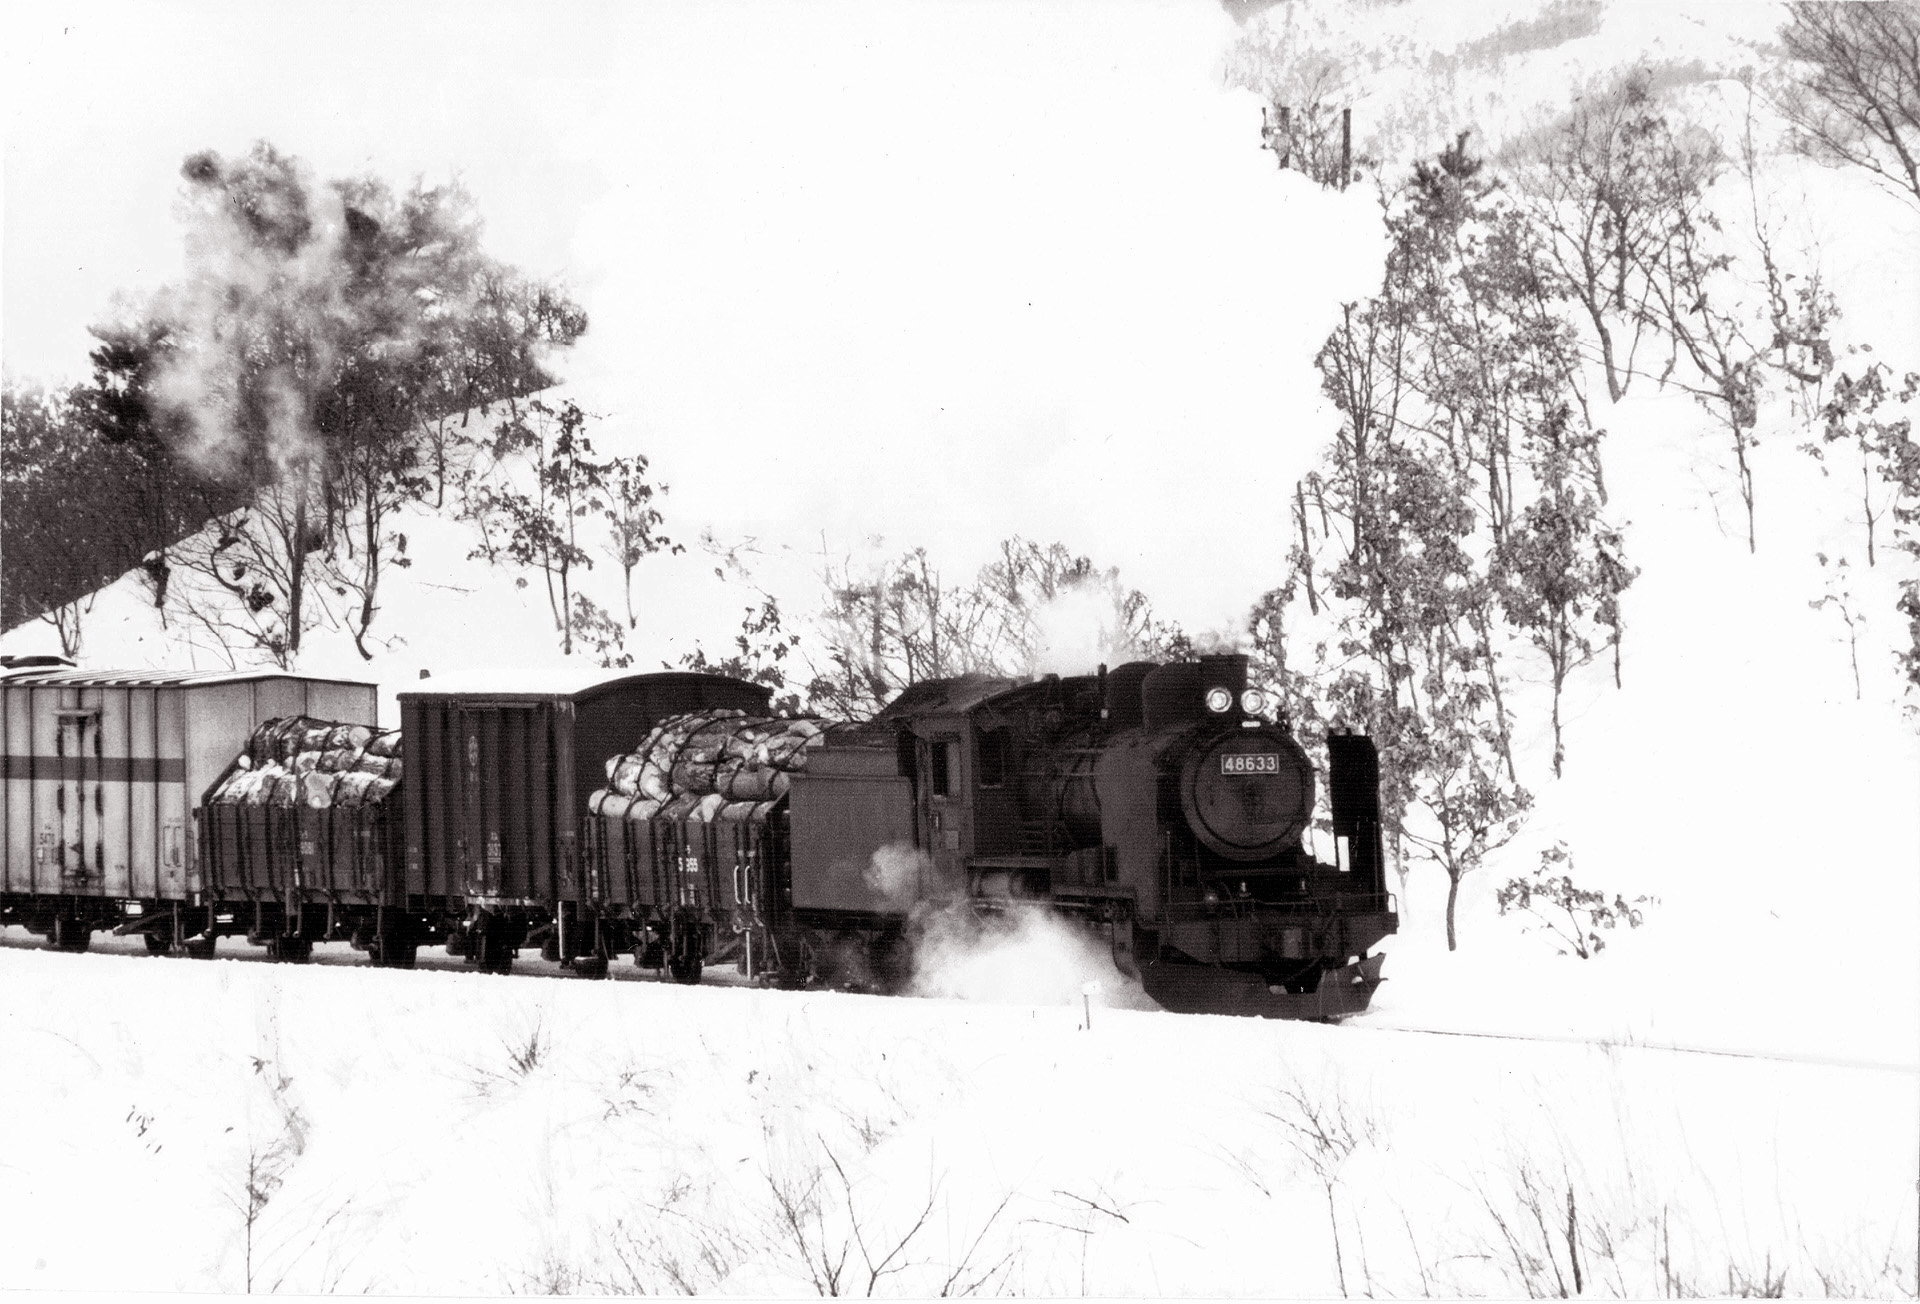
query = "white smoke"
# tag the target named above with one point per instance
(1080, 627)
(244, 298)
(1027, 957)
(898, 872)
(271, 306)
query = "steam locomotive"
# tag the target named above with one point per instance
(1161, 808)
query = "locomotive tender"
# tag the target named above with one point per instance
(1159, 807)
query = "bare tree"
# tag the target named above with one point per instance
(1855, 101)
(545, 481)
(258, 556)
(633, 521)
(1325, 1134)
(1839, 595)
(66, 620)
(905, 621)
(1605, 188)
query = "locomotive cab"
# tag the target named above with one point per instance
(1159, 804)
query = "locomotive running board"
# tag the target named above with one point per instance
(1205, 989)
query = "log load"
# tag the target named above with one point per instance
(317, 764)
(719, 766)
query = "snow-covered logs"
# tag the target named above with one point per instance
(707, 767)
(299, 761)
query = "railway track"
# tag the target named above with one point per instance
(341, 955)
(338, 955)
(1367, 1023)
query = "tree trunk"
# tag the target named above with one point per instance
(1866, 505)
(1746, 484)
(296, 570)
(1306, 547)
(1453, 895)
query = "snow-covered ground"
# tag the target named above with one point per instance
(436, 1132)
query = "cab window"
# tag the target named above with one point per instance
(940, 767)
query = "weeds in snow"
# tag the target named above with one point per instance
(523, 1052)
(822, 1218)
(632, 1094)
(1563, 1238)
(271, 1152)
(1324, 1131)
(1087, 1217)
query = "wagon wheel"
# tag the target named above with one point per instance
(290, 950)
(593, 963)
(159, 939)
(487, 945)
(392, 950)
(684, 960)
(199, 948)
(70, 935)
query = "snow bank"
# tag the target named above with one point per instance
(432, 1132)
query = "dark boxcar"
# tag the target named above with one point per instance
(498, 776)
(104, 770)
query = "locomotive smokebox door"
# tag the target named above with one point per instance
(1249, 793)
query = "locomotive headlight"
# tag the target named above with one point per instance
(1219, 701)
(1253, 701)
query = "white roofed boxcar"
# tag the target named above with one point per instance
(103, 768)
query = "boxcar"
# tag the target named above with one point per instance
(104, 771)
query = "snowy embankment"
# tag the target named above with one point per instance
(436, 1132)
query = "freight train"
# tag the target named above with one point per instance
(1164, 809)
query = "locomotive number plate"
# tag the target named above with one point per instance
(1250, 763)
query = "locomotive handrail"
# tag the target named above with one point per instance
(1237, 907)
